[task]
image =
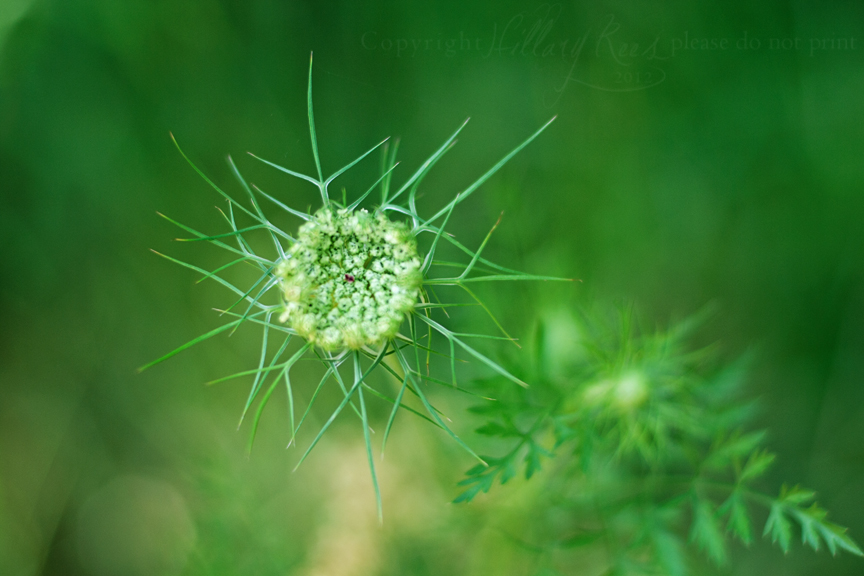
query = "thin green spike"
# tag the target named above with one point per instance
(392, 417)
(260, 370)
(309, 405)
(412, 326)
(477, 183)
(248, 292)
(287, 171)
(480, 249)
(290, 392)
(214, 242)
(434, 414)
(489, 263)
(411, 390)
(297, 355)
(297, 213)
(270, 368)
(489, 312)
(210, 182)
(312, 134)
(432, 306)
(200, 270)
(343, 169)
(449, 386)
(341, 406)
(221, 268)
(255, 320)
(386, 398)
(238, 232)
(256, 385)
(241, 241)
(258, 211)
(493, 265)
(363, 197)
(368, 440)
(452, 361)
(429, 344)
(483, 336)
(427, 262)
(495, 278)
(444, 306)
(189, 344)
(460, 265)
(398, 209)
(256, 301)
(412, 193)
(341, 383)
(447, 334)
(385, 164)
(431, 160)
(383, 167)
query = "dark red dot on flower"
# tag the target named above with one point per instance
(349, 277)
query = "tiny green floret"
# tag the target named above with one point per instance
(349, 279)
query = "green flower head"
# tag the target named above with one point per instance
(353, 288)
(349, 279)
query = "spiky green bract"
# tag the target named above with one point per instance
(346, 288)
(649, 449)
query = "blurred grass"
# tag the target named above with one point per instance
(737, 180)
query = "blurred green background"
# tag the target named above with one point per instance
(681, 170)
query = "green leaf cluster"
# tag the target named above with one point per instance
(648, 449)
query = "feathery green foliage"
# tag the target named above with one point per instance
(649, 446)
(293, 278)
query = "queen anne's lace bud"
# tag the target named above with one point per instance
(349, 279)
